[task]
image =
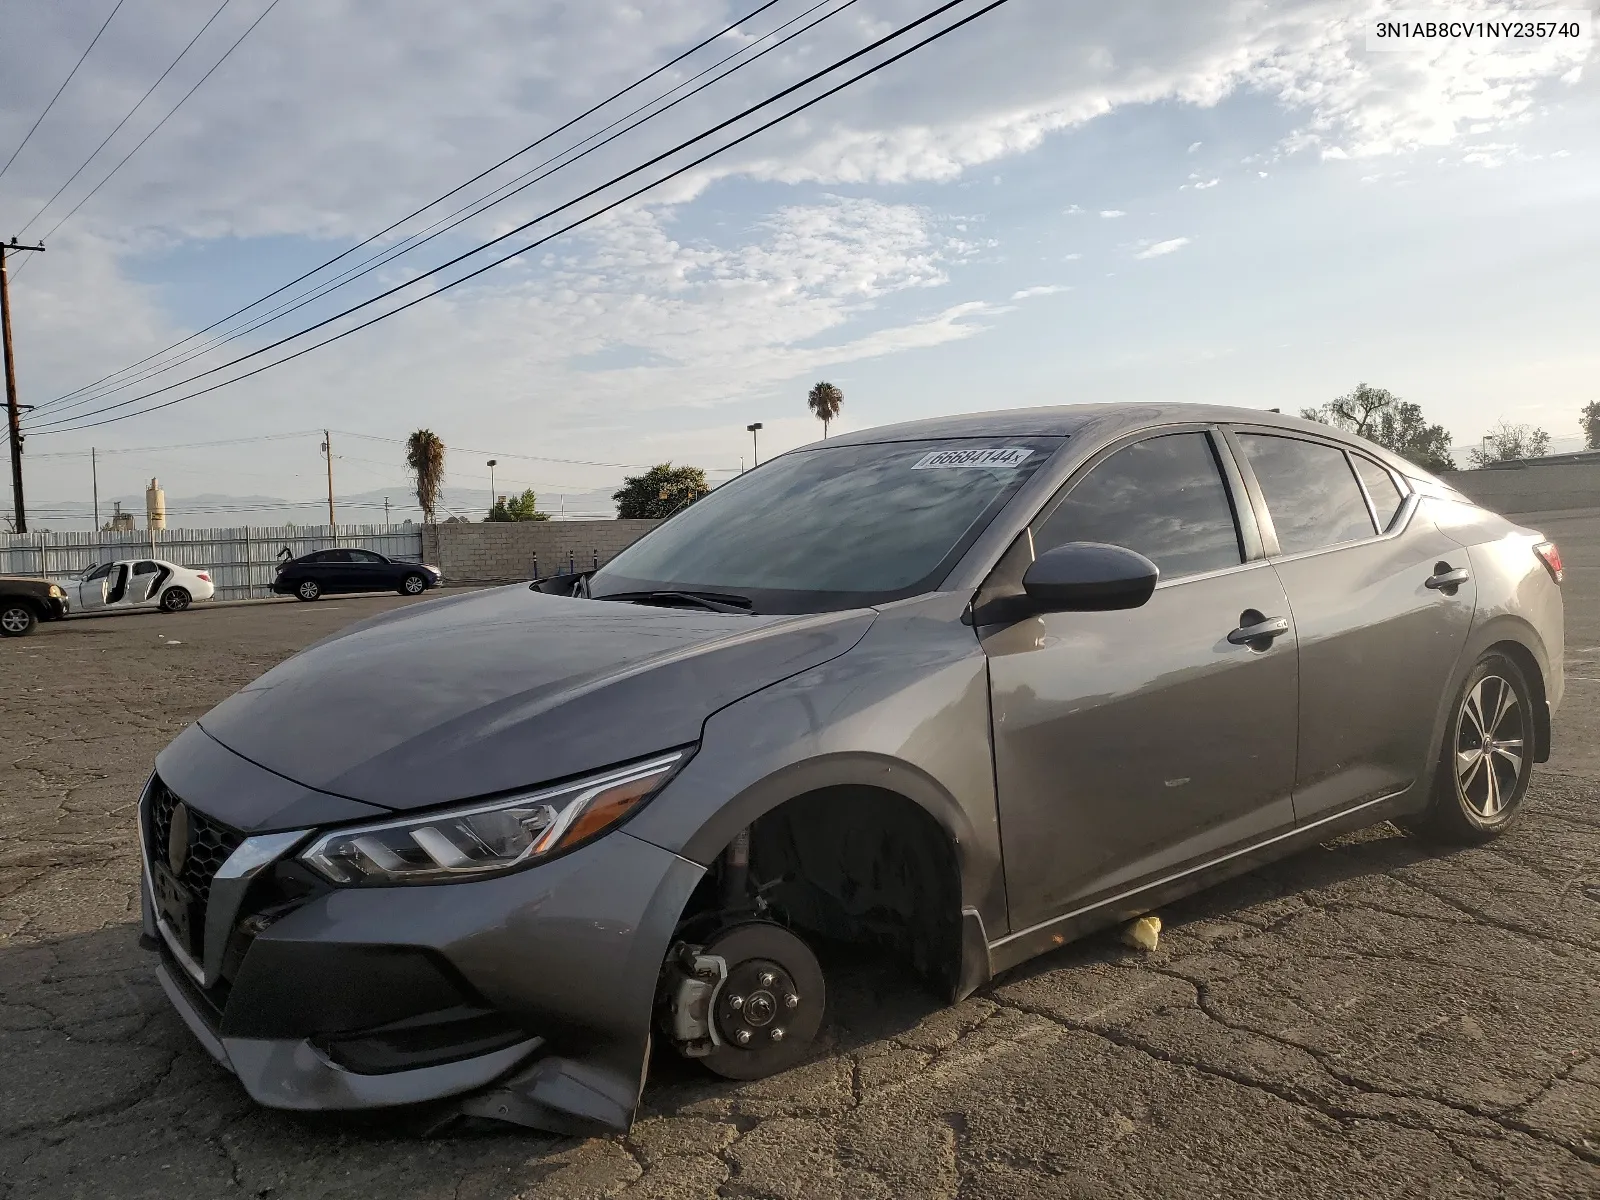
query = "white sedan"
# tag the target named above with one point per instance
(141, 583)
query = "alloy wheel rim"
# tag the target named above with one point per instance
(413, 585)
(1490, 737)
(308, 589)
(14, 619)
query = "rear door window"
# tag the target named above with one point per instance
(1163, 497)
(1310, 491)
(1381, 490)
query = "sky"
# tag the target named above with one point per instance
(1058, 202)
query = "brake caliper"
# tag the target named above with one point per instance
(690, 983)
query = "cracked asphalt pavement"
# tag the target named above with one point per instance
(1374, 1017)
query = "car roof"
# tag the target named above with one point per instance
(1107, 421)
(1064, 420)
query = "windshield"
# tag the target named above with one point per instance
(832, 527)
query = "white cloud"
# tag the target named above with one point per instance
(1073, 210)
(1073, 257)
(1157, 249)
(1110, 213)
(1193, 146)
(1050, 289)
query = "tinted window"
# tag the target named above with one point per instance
(364, 556)
(99, 572)
(1310, 492)
(1381, 488)
(832, 527)
(334, 556)
(145, 568)
(1163, 497)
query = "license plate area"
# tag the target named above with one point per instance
(177, 907)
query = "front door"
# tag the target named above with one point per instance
(92, 588)
(117, 584)
(369, 572)
(1379, 637)
(1130, 744)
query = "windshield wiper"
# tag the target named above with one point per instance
(710, 601)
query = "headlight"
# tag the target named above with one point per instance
(488, 838)
(55, 591)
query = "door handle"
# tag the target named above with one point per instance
(1446, 580)
(1263, 630)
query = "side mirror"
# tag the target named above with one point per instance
(1089, 577)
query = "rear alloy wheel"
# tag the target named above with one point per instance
(768, 1010)
(175, 599)
(1487, 756)
(308, 589)
(413, 585)
(17, 620)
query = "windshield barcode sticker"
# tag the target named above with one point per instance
(1013, 457)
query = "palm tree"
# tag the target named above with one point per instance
(825, 400)
(425, 457)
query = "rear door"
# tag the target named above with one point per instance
(1381, 628)
(141, 587)
(1129, 744)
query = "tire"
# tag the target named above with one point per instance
(766, 963)
(308, 590)
(413, 585)
(17, 619)
(1478, 792)
(175, 599)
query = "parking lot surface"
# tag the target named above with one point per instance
(1374, 1017)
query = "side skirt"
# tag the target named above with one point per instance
(1049, 935)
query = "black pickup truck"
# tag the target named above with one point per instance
(25, 602)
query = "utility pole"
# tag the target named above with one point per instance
(386, 510)
(327, 448)
(94, 475)
(13, 409)
(755, 450)
(492, 463)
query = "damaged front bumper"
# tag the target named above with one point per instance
(524, 998)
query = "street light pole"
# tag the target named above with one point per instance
(755, 449)
(492, 496)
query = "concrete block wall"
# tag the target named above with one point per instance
(503, 551)
(1531, 487)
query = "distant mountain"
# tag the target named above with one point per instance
(213, 510)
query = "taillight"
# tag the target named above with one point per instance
(1551, 558)
(204, 576)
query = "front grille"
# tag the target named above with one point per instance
(202, 853)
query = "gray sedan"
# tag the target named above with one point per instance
(959, 690)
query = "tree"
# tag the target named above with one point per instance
(425, 457)
(1507, 442)
(825, 400)
(522, 508)
(660, 491)
(1380, 416)
(1589, 418)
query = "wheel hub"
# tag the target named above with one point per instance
(758, 1000)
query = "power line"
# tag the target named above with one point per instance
(437, 200)
(128, 117)
(414, 241)
(994, 4)
(59, 90)
(170, 113)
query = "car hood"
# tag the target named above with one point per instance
(26, 584)
(506, 688)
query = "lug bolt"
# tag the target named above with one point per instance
(742, 1037)
(791, 1001)
(768, 979)
(777, 1033)
(736, 1002)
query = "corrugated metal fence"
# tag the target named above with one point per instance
(243, 560)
